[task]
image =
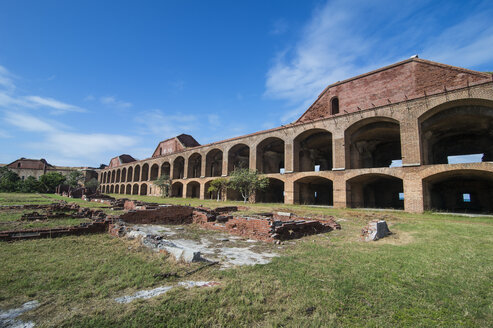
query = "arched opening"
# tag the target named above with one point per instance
(375, 191)
(177, 189)
(135, 189)
(334, 106)
(463, 191)
(154, 172)
(130, 174)
(207, 193)
(143, 189)
(313, 151)
(314, 191)
(112, 189)
(145, 172)
(194, 166)
(214, 163)
(117, 176)
(113, 176)
(274, 193)
(373, 142)
(461, 134)
(137, 173)
(128, 190)
(270, 155)
(233, 195)
(122, 189)
(103, 178)
(238, 157)
(178, 167)
(117, 189)
(193, 190)
(165, 169)
(124, 174)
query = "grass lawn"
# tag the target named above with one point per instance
(436, 270)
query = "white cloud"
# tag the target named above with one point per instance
(280, 26)
(114, 102)
(28, 122)
(162, 125)
(38, 101)
(343, 39)
(6, 79)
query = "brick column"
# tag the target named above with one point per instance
(413, 193)
(202, 190)
(340, 191)
(338, 151)
(253, 158)
(203, 166)
(289, 197)
(410, 142)
(288, 157)
(225, 164)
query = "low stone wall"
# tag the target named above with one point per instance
(162, 215)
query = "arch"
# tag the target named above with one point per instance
(270, 155)
(154, 172)
(112, 189)
(274, 193)
(117, 189)
(373, 142)
(211, 195)
(238, 157)
(313, 151)
(314, 190)
(457, 132)
(194, 165)
(130, 174)
(166, 169)
(375, 191)
(143, 189)
(193, 189)
(124, 174)
(103, 178)
(177, 189)
(135, 189)
(113, 176)
(145, 172)
(214, 163)
(460, 191)
(128, 189)
(117, 179)
(178, 167)
(334, 105)
(137, 173)
(122, 189)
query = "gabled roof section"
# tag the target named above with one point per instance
(175, 144)
(120, 160)
(408, 79)
(28, 163)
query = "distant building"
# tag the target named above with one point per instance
(26, 167)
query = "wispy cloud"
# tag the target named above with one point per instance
(344, 39)
(161, 124)
(114, 102)
(53, 103)
(280, 26)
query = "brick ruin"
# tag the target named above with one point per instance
(415, 135)
(268, 227)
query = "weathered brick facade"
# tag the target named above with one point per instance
(383, 143)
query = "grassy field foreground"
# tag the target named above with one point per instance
(436, 270)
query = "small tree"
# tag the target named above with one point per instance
(247, 182)
(30, 184)
(74, 178)
(50, 181)
(164, 184)
(9, 180)
(92, 184)
(220, 186)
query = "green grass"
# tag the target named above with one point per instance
(435, 271)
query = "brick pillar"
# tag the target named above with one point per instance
(184, 191)
(340, 191)
(203, 166)
(410, 143)
(288, 157)
(253, 158)
(338, 152)
(202, 190)
(289, 192)
(413, 193)
(225, 164)
(185, 168)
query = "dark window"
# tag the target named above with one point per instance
(18, 164)
(335, 106)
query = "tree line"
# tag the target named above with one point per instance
(47, 183)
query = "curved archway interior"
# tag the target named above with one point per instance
(194, 166)
(313, 151)
(178, 168)
(375, 191)
(314, 191)
(214, 163)
(238, 157)
(270, 156)
(274, 193)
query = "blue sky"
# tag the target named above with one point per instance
(83, 81)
